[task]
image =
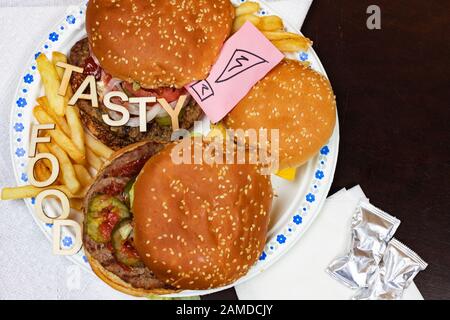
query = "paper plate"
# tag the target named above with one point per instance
(297, 205)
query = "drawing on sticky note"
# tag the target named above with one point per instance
(240, 61)
(203, 89)
(246, 57)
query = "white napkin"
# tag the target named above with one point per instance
(293, 11)
(300, 274)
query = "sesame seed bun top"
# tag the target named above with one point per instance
(158, 43)
(200, 226)
(296, 100)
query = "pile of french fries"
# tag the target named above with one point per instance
(78, 153)
(272, 27)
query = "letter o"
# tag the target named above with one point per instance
(64, 203)
(53, 176)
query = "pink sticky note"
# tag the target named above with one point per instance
(245, 59)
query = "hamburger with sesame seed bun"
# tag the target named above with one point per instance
(297, 101)
(148, 48)
(158, 43)
(157, 225)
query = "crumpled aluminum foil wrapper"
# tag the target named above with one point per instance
(395, 273)
(372, 229)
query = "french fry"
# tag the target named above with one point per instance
(51, 82)
(20, 192)
(59, 60)
(80, 194)
(271, 23)
(24, 192)
(68, 175)
(98, 147)
(43, 102)
(83, 175)
(59, 137)
(59, 57)
(241, 20)
(42, 148)
(292, 45)
(93, 160)
(76, 128)
(41, 172)
(76, 204)
(247, 8)
(72, 113)
(281, 35)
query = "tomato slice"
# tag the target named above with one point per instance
(170, 94)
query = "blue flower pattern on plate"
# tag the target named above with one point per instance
(71, 19)
(20, 152)
(297, 219)
(37, 54)
(281, 239)
(263, 256)
(67, 241)
(303, 56)
(325, 150)
(53, 37)
(310, 197)
(18, 127)
(28, 78)
(319, 174)
(21, 102)
(24, 177)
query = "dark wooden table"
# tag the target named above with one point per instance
(393, 92)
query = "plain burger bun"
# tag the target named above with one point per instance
(158, 43)
(296, 100)
(200, 226)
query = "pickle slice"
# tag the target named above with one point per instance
(122, 243)
(104, 213)
(164, 121)
(127, 192)
(167, 120)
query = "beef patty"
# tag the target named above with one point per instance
(119, 137)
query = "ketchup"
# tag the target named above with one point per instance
(110, 221)
(128, 249)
